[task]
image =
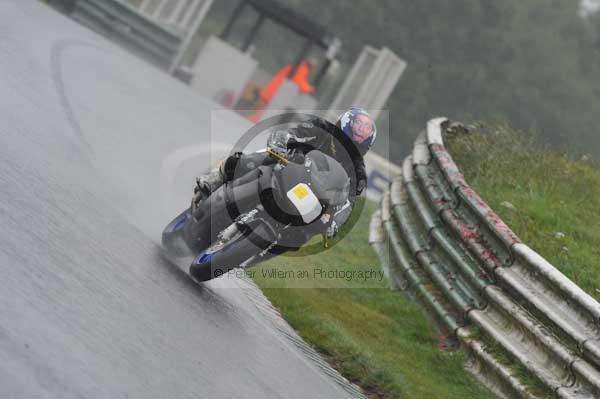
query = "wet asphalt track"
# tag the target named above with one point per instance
(94, 160)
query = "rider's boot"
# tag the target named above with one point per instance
(207, 184)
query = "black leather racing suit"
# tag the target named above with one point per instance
(317, 134)
(332, 141)
(314, 134)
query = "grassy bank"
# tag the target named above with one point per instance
(376, 338)
(379, 339)
(551, 202)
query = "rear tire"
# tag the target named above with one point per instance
(172, 235)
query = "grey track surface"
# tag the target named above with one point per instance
(89, 305)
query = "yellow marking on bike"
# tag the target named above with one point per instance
(300, 191)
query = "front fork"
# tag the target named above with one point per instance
(242, 225)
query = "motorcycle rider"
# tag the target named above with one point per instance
(347, 141)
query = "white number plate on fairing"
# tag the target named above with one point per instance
(305, 201)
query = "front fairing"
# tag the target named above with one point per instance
(328, 178)
(292, 187)
(312, 175)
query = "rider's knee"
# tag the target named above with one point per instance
(229, 165)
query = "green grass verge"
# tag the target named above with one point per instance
(550, 201)
(373, 336)
(378, 338)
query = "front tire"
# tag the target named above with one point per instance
(221, 257)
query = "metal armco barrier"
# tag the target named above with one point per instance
(440, 243)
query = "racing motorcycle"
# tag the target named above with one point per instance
(274, 208)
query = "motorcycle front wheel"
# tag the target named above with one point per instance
(221, 257)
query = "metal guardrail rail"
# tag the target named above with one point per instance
(442, 244)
